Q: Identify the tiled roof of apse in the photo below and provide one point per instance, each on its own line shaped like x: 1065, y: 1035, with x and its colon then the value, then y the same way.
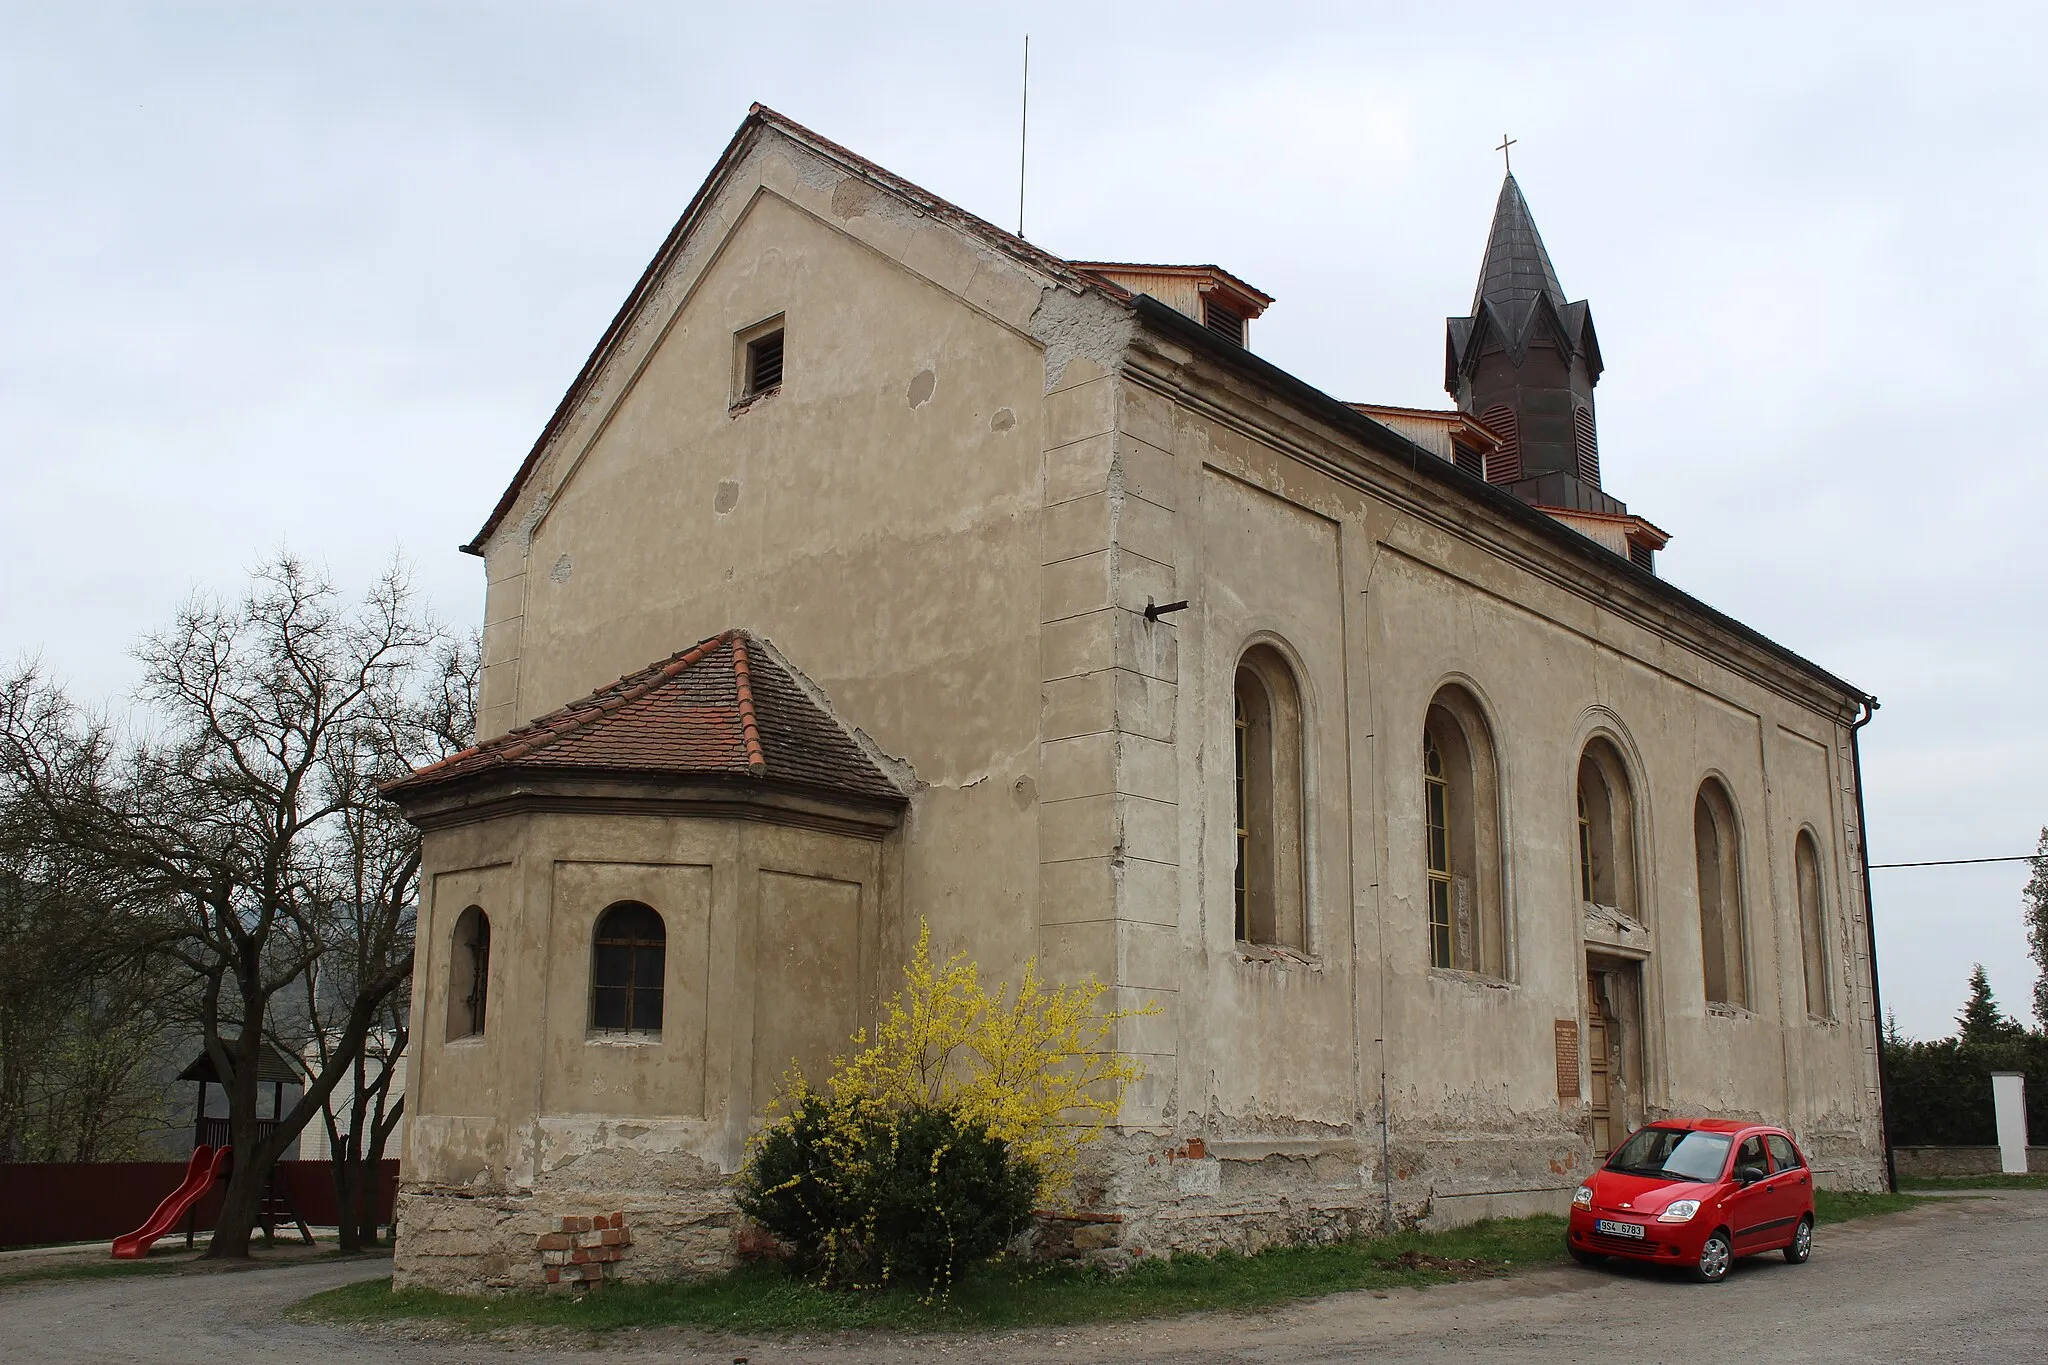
x: 722, y: 708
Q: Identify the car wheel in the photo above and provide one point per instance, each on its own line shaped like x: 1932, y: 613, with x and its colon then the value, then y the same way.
x: 1716, y: 1257
x: 1801, y: 1245
x: 1587, y: 1258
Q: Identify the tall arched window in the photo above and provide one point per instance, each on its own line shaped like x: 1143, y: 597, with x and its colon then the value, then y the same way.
x: 469, y: 973
x: 627, y: 964
x: 1461, y: 819
x: 1813, y: 925
x: 1723, y: 940
x: 1270, y: 885
x: 1607, y: 829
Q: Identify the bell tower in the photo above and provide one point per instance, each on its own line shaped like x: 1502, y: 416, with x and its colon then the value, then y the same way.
x: 1525, y: 363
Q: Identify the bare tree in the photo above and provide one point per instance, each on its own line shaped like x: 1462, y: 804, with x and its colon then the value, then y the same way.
x: 227, y: 831
x: 371, y: 888
x: 84, y: 1026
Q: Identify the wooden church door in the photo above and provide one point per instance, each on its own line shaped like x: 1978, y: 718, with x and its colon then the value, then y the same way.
x: 1598, y: 1061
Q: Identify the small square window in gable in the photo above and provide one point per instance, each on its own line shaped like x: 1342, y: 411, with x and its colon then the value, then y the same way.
x: 758, y: 360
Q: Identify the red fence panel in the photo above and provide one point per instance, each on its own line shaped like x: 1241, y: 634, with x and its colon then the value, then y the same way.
x: 96, y: 1202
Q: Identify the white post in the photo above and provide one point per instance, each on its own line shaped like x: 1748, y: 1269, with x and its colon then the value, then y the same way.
x: 2009, y: 1101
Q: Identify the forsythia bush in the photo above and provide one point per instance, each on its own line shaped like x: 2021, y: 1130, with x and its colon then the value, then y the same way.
x: 872, y: 1197
x: 926, y: 1148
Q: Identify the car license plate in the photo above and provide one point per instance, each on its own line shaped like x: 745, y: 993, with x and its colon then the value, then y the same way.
x: 1614, y: 1229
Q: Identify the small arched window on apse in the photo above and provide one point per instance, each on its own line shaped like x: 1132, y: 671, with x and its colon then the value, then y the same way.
x: 1607, y: 829
x: 469, y: 973
x: 1461, y: 818
x: 1269, y: 882
x: 1723, y: 938
x: 628, y: 965
x: 1813, y: 925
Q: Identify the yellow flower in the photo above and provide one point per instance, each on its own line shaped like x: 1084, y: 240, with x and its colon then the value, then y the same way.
x: 1039, y: 1069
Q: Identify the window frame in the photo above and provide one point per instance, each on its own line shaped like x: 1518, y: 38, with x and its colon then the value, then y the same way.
x: 631, y: 987
x: 1813, y: 926
x: 1271, y: 841
x: 469, y: 972
x: 746, y: 340
x: 1715, y: 802
x: 1436, y: 838
x: 1609, y: 843
x: 1465, y: 870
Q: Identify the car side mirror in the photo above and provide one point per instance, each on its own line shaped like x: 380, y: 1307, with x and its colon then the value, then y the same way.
x: 1749, y: 1175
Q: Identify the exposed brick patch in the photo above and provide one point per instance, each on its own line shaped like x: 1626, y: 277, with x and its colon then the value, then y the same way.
x: 586, y: 1250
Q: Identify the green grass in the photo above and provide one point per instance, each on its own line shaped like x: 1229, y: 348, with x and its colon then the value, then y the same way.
x: 768, y: 1299
x: 83, y: 1269
x: 2037, y: 1180
x: 1839, y: 1206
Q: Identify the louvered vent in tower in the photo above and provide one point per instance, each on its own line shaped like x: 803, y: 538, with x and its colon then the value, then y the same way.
x: 1589, y: 446
x: 1503, y: 465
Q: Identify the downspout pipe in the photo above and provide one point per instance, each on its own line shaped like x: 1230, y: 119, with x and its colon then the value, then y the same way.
x: 1884, y: 1087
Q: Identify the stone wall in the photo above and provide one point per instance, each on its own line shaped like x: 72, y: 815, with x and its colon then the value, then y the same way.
x: 1946, y: 1161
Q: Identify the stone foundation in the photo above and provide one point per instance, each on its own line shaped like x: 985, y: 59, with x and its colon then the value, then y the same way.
x: 462, y: 1242
x: 1141, y: 1195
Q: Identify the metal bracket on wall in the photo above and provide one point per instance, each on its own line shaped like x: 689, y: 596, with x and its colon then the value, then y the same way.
x: 1155, y: 610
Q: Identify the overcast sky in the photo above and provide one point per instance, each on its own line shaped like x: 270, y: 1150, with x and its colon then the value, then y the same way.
x: 315, y: 276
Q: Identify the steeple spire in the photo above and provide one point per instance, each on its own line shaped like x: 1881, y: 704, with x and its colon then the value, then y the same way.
x: 1517, y: 269
x: 1525, y: 362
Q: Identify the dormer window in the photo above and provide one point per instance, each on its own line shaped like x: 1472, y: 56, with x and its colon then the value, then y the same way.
x: 1224, y: 321
x: 1211, y: 295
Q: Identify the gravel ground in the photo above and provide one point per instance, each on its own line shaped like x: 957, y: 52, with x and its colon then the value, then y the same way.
x: 1962, y: 1280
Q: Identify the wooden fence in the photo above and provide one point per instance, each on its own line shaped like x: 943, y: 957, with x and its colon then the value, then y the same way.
x: 72, y: 1202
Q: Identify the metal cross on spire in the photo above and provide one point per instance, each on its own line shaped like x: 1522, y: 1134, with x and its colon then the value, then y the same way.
x: 1505, y: 143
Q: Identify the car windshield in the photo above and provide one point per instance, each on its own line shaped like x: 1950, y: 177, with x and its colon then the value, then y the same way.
x: 1672, y: 1152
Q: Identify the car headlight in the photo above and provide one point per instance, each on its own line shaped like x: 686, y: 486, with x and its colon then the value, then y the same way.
x: 1583, y: 1199
x: 1679, y: 1211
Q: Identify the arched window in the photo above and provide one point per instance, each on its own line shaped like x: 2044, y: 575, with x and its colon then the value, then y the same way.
x: 1461, y: 818
x: 1813, y: 925
x: 626, y: 969
x: 1607, y: 829
x: 1269, y: 881
x: 469, y: 973
x: 1723, y: 947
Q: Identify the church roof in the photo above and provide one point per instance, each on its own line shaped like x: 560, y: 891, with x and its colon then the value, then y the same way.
x: 1517, y: 291
x: 724, y: 708
x: 1517, y: 269
x: 271, y: 1065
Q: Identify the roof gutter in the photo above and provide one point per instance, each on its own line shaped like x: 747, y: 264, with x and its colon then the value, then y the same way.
x: 1884, y: 1088
x: 1356, y: 424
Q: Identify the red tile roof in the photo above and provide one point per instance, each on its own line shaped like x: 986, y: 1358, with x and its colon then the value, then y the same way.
x: 723, y: 707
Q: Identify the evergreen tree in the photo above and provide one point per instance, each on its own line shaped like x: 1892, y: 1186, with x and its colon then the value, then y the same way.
x: 2036, y: 897
x: 1894, y: 1036
x: 1981, y: 1021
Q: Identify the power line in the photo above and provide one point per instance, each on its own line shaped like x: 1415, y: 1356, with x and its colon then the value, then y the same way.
x: 1957, y: 862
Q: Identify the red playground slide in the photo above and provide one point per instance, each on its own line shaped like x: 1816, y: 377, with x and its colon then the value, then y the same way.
x: 200, y: 1173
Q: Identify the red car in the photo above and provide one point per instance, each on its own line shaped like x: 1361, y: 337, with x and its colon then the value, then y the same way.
x: 1696, y: 1193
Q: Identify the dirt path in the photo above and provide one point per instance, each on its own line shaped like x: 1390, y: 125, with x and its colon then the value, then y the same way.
x: 1964, y: 1280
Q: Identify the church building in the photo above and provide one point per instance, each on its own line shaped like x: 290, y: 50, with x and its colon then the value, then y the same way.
x: 880, y: 568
